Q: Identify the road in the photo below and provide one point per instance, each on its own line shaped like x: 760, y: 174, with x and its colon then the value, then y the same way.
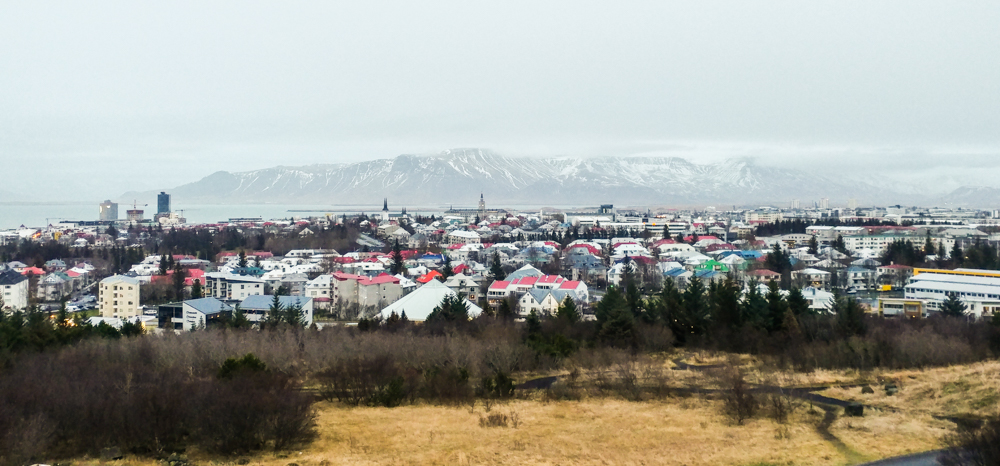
x: 918, y: 459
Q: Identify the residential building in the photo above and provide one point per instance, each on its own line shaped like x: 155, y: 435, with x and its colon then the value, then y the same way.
x: 819, y: 300
x: 118, y: 297
x: 231, y: 287
x: 14, y: 289
x: 860, y: 278
x: 320, y: 289
x: 464, y: 286
x: 502, y: 289
x: 815, y: 278
x: 192, y: 314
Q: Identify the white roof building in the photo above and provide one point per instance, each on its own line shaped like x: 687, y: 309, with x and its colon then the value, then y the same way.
x: 420, y: 303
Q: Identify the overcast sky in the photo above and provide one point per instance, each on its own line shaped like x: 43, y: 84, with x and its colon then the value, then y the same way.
x: 98, y: 97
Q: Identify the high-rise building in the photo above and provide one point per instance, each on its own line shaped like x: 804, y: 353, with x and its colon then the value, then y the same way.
x: 852, y: 203
x: 795, y: 203
x: 162, y: 203
x: 109, y: 211
x: 824, y: 203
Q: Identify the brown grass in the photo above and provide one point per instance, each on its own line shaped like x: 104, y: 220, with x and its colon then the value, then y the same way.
x: 690, y: 431
x: 971, y: 389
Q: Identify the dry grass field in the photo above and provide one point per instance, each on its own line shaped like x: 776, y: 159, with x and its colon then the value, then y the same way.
x: 970, y: 389
x: 677, y: 430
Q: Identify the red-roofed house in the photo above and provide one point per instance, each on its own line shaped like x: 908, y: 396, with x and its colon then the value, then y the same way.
x: 429, y: 276
x: 590, y: 249
x: 501, y: 289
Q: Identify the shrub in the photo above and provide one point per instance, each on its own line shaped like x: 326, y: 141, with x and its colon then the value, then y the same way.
x: 238, y: 366
x: 130, y: 394
x: 739, y: 401
x: 974, y: 446
x: 494, y: 420
x: 370, y: 381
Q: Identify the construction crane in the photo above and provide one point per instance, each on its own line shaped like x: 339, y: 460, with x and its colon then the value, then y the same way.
x: 135, y: 204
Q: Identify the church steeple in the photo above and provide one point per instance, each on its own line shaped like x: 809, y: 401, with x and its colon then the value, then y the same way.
x: 385, y: 204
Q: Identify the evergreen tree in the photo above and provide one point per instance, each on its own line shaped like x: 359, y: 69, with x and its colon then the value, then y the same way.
x: 839, y: 244
x: 451, y: 309
x: 797, y: 303
x: 755, y: 308
x: 397, y: 260
x: 112, y: 232
x: 239, y: 319
x: 693, y: 318
x: 163, y: 264
x: 505, y: 311
x: 567, y: 311
x: 953, y: 306
x: 679, y: 238
x: 956, y: 255
x: 616, y: 326
x: 496, y: 269
x: 178, y: 282
x: 534, y: 324
x: 294, y: 316
x: 777, y: 307
x: 725, y: 300
x: 256, y: 261
x: 447, y: 271
x: 243, y: 260
x: 275, y: 314
x: 668, y: 303
x: 778, y: 261
x: 929, y: 248
x: 196, y: 292
x: 813, y: 245
x: 850, y: 316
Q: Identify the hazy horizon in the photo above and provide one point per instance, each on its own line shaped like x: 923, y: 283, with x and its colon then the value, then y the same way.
x: 108, y: 97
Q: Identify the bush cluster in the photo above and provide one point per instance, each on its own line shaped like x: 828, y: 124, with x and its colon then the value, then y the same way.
x: 129, y: 395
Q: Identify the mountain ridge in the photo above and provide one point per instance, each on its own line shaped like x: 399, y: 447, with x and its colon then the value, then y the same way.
x: 453, y: 174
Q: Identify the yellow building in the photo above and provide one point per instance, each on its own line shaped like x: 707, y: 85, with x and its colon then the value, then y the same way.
x: 118, y: 296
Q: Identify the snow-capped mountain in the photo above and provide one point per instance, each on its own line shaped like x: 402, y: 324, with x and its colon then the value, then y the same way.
x: 972, y: 196
x: 460, y: 174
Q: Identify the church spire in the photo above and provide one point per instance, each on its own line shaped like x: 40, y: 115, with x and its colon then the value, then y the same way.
x: 385, y: 204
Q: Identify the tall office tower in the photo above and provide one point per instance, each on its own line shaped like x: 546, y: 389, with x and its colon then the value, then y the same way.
x: 162, y: 203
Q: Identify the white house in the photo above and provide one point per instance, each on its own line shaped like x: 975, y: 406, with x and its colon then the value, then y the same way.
x: 231, y: 287
x: 463, y: 237
x: 320, y: 289
x: 819, y: 300
x: 464, y: 285
x: 14, y: 289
